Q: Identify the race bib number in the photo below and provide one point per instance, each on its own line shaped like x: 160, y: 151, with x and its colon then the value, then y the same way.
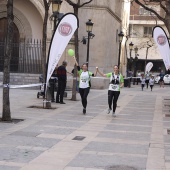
x: 114, y: 87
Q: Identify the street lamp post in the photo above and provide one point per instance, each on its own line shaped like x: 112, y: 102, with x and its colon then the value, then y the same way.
x: 56, y: 5
x: 89, y: 27
x: 131, y: 48
x: 135, y: 62
x: 121, y: 35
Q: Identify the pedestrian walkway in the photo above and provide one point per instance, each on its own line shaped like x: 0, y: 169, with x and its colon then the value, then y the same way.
x: 65, y: 139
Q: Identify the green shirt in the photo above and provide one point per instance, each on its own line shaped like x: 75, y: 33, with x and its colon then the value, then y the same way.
x: 121, y: 79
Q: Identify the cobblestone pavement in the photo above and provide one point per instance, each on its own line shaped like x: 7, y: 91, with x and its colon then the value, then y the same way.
x: 137, y: 139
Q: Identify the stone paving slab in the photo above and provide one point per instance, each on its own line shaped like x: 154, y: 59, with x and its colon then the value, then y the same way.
x: 131, y: 122
x: 135, y: 140
x: 28, y: 141
x: 10, y: 154
x: 117, y: 148
x: 100, y: 161
x: 49, y: 129
x: 9, y: 168
x: 125, y: 136
x: 130, y: 128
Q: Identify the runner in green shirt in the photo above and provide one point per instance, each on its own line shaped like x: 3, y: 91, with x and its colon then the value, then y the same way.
x: 116, y: 82
x: 84, y: 83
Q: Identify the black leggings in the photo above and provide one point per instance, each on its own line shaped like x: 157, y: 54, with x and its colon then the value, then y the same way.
x: 142, y: 85
x: 151, y: 86
x: 84, y: 93
x: 147, y: 83
x: 113, y: 97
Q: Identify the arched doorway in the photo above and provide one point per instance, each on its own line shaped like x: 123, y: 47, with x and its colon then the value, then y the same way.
x: 15, y: 55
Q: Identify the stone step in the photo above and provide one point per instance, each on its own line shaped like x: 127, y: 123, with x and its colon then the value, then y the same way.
x: 21, y: 78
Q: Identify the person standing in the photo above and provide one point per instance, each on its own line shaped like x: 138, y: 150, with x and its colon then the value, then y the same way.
x: 84, y: 83
x: 142, y: 80
x: 116, y: 82
x: 52, y: 82
x: 62, y: 80
x: 147, y: 78
x: 77, y: 80
x: 161, y: 81
x: 151, y: 82
x: 138, y: 77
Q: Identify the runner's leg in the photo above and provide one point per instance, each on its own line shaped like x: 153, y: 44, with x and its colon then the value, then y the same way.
x: 86, y: 92
x: 110, y: 99
x: 58, y: 92
x: 81, y: 91
x: 116, y: 96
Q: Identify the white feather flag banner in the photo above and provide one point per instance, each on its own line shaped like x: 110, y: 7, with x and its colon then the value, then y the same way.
x: 149, y: 67
x: 162, y: 42
x: 61, y: 37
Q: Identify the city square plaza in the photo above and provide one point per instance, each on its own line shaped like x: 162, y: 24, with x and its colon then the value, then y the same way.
x: 63, y: 138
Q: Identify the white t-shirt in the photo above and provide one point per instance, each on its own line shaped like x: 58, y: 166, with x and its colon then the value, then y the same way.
x: 147, y: 76
x: 84, y: 80
x: 142, y: 80
x: 151, y: 81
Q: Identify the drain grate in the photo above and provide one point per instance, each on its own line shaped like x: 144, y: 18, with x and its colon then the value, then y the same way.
x: 168, y: 131
x: 79, y: 138
x: 167, y: 115
x: 167, y: 105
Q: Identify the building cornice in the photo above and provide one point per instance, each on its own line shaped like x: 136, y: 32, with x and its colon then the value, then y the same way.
x: 150, y: 22
x: 109, y: 10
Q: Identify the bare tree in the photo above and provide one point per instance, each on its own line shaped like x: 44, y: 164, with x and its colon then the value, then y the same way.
x: 44, y: 41
x: 164, y: 6
x: 76, y: 6
x: 44, y: 49
x: 6, y: 113
x: 148, y: 44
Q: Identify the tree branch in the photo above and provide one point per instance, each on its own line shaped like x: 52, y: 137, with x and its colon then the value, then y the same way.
x: 46, y: 4
x: 78, y: 4
x: 85, y: 3
x: 150, y: 9
x: 71, y: 3
x: 163, y: 7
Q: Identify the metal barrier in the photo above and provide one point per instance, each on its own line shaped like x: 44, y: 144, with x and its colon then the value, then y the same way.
x: 26, y: 57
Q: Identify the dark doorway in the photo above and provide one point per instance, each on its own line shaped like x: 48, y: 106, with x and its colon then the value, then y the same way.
x: 15, y: 55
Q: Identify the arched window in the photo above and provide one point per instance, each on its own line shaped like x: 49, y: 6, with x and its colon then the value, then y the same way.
x: 15, y: 56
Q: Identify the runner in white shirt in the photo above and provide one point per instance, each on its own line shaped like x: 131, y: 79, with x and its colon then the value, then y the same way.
x: 142, y: 80
x: 84, y: 83
x: 151, y: 82
x: 147, y: 77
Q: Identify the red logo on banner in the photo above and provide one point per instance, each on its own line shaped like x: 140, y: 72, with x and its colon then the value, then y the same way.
x: 161, y: 40
x: 65, y: 29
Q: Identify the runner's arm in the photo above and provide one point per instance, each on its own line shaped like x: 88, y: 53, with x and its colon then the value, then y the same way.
x: 121, y: 85
x: 102, y: 74
x: 95, y: 72
x: 121, y: 81
x: 75, y: 61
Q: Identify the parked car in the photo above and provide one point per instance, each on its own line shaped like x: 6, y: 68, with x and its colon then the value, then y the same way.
x: 166, y: 79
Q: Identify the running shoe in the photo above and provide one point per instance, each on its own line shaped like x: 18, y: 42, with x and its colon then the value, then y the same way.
x: 62, y: 103
x: 84, y: 111
x: 109, y: 110
x: 114, y: 114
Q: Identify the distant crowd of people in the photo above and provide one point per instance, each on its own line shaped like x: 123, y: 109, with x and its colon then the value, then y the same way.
x: 147, y: 79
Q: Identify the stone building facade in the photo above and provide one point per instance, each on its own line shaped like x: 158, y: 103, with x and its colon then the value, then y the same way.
x: 141, y: 26
x: 109, y: 18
